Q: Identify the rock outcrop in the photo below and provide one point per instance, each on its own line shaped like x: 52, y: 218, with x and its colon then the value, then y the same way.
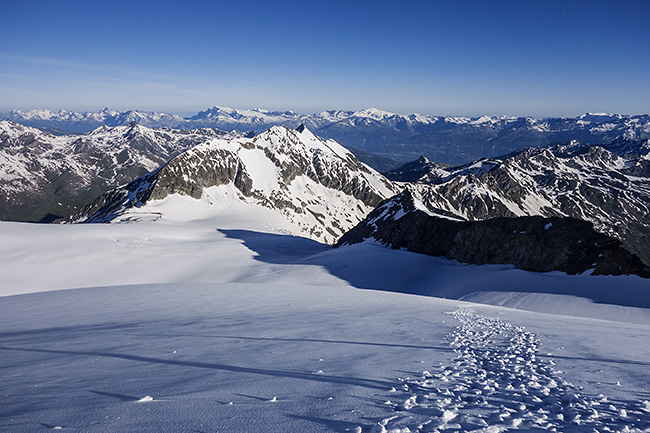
x: 530, y: 243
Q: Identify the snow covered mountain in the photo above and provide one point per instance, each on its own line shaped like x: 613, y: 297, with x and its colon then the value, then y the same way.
x: 42, y: 174
x: 452, y: 140
x: 317, y: 186
x: 608, y: 186
x: 245, y: 120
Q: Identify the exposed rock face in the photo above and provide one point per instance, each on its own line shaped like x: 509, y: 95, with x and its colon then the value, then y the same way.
x: 608, y: 186
x: 116, y: 201
x: 43, y: 174
x: 317, y: 185
x: 530, y: 243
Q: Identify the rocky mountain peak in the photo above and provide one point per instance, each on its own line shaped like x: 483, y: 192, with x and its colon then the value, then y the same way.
x: 318, y: 186
x: 417, y: 171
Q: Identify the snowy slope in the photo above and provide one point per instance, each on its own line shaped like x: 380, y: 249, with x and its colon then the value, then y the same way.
x: 225, y: 325
x: 317, y: 186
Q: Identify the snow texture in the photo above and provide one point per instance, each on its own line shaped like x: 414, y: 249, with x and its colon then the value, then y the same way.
x: 227, y: 324
x: 498, y: 381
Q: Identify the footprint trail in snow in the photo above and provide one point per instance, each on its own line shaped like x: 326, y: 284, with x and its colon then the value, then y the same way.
x: 497, y: 383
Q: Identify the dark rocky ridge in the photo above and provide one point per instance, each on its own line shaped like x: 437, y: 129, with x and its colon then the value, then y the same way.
x: 414, y: 171
x: 112, y: 203
x: 530, y: 243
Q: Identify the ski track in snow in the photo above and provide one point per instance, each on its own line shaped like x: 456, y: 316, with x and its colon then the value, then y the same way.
x: 498, y: 382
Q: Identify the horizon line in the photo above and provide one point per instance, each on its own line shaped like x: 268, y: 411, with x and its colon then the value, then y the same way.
x: 186, y: 114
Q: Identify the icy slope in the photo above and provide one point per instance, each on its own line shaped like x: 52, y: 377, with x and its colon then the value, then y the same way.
x: 318, y: 186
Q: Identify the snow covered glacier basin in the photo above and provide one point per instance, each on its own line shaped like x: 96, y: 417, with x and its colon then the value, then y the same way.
x: 204, y: 327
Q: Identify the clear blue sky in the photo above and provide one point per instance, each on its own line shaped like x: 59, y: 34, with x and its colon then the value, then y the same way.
x: 524, y: 57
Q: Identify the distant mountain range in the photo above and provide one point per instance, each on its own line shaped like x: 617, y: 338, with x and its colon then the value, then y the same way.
x: 451, y: 140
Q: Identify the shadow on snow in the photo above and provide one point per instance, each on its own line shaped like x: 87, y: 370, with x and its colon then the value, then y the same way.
x: 367, y: 266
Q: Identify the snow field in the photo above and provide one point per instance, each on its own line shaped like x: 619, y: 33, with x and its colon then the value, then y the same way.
x: 228, y: 324
x: 227, y: 357
x: 281, y: 358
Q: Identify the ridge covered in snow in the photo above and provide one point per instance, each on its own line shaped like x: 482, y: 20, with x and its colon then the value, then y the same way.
x: 607, y: 185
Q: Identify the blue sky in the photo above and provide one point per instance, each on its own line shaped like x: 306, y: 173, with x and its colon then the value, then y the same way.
x: 525, y: 57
